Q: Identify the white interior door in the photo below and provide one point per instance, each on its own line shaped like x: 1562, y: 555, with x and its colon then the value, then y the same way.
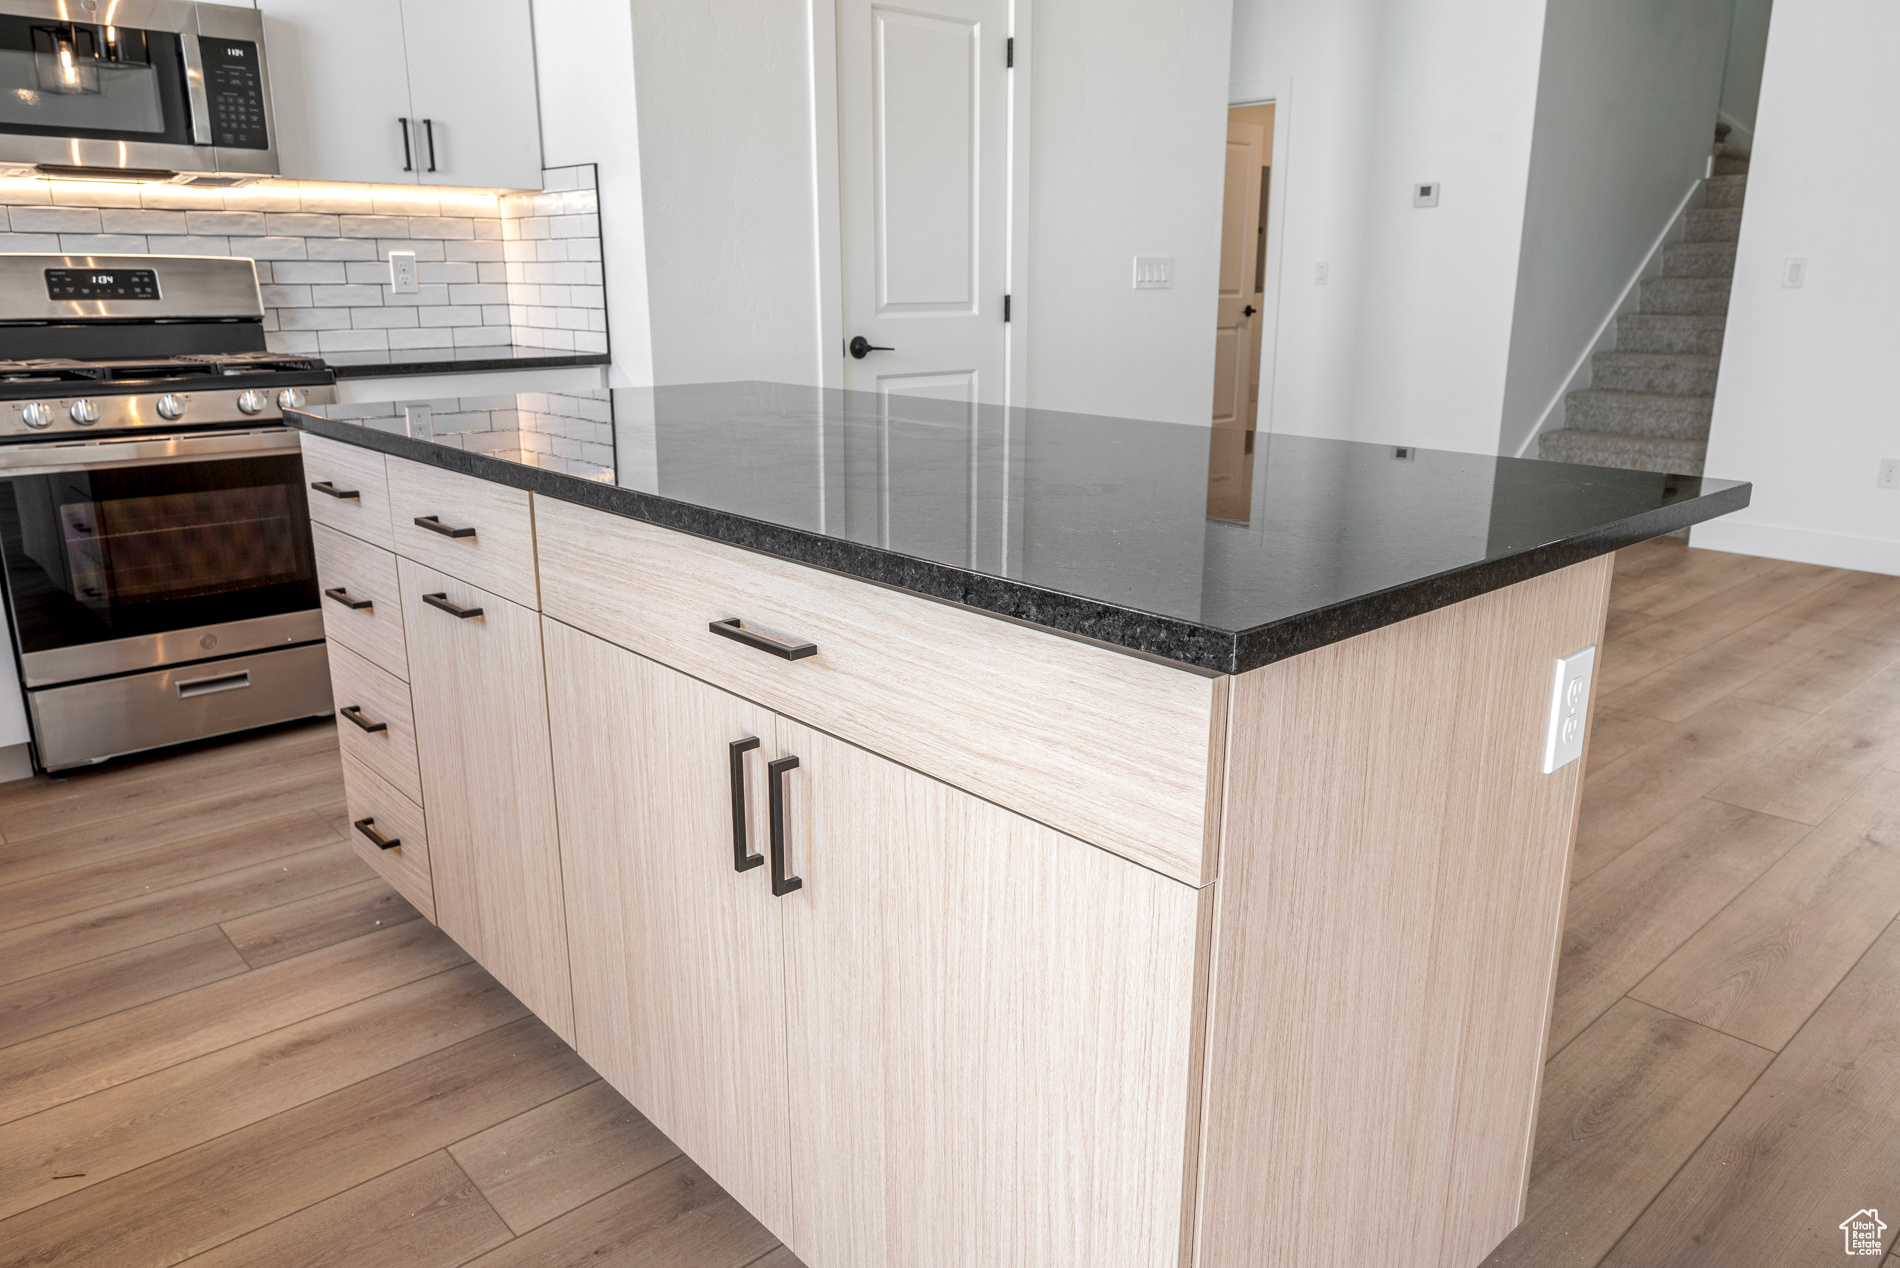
x: 1236, y: 336
x: 923, y: 107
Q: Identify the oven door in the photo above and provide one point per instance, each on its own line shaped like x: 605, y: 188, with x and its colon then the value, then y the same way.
x: 118, y: 565
x: 151, y: 86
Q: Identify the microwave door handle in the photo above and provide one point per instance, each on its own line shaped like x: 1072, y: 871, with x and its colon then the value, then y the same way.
x: 195, y: 88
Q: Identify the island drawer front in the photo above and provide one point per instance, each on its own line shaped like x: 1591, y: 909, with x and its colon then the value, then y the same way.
x: 381, y: 700
x: 498, y: 556
x: 1114, y: 749
x: 391, y: 816
x: 361, y: 573
x: 333, y: 469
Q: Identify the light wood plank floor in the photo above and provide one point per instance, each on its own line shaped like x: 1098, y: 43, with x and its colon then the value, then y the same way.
x: 255, y: 1054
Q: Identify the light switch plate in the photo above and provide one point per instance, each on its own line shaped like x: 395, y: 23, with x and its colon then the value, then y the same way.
x: 1154, y: 272
x: 1794, y: 273
x: 1569, y: 709
x: 402, y: 272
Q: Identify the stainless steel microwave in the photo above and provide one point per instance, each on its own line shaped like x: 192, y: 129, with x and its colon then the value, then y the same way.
x: 139, y: 89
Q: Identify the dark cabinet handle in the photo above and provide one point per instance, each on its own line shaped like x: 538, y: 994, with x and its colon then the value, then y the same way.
x: 324, y: 486
x: 354, y: 713
x: 775, y: 774
x: 428, y: 127
x: 435, y: 525
x: 408, y: 160
x: 732, y: 629
x: 368, y: 828
x: 741, y: 861
x: 342, y: 595
x: 442, y: 601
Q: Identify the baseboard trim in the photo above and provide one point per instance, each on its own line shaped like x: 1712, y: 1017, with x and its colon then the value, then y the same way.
x: 1799, y: 545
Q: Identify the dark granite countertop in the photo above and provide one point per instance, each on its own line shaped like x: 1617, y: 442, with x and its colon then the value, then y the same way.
x: 1168, y: 540
x: 375, y: 365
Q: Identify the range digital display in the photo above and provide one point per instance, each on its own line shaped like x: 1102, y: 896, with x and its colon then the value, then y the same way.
x: 101, y: 284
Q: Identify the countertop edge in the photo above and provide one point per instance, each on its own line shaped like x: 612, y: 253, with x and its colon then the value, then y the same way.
x: 403, y: 369
x: 1176, y: 642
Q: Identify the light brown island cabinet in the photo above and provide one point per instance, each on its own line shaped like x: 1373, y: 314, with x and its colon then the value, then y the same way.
x: 1051, y: 956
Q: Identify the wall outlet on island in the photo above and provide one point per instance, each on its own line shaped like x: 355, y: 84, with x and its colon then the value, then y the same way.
x: 1569, y: 709
x: 402, y: 272
x: 1889, y: 477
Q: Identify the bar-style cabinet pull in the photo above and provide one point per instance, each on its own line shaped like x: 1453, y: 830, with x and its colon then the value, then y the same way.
x: 435, y: 525
x: 428, y: 128
x: 738, y: 633
x: 742, y: 861
x: 408, y: 159
x: 775, y: 774
x: 368, y: 828
x: 453, y: 609
x: 354, y: 713
x: 342, y: 595
x: 325, y: 487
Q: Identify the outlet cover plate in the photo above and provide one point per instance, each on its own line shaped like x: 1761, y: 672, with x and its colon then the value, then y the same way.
x: 402, y: 272
x: 1889, y: 477
x: 1569, y: 709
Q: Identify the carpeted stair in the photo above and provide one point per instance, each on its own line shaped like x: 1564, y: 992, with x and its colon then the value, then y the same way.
x: 1649, y: 400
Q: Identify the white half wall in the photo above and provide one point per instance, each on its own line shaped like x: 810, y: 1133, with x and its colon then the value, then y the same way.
x: 1625, y: 119
x: 1128, y: 125
x: 589, y: 115
x: 1806, y: 407
x: 1409, y: 338
x: 1741, y: 81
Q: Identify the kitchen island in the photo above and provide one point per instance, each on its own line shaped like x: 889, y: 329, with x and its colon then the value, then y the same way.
x: 962, y: 843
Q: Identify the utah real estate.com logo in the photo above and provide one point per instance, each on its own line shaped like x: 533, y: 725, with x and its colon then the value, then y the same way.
x: 1861, y: 1231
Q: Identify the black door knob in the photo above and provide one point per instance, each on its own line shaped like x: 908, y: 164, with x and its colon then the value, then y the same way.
x: 1248, y: 311
x: 859, y: 346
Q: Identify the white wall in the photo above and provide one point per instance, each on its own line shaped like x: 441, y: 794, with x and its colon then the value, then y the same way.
x: 1128, y: 121
x: 1806, y: 407
x: 1741, y: 82
x: 1409, y: 340
x: 725, y: 136
x: 1625, y: 118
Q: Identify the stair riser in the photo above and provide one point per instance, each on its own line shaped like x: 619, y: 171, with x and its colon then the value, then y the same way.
x: 1664, y: 380
x: 1726, y: 166
x: 1723, y: 196
x: 1685, y: 297
x: 1699, y: 259
x: 1634, y: 334
x: 1722, y: 224
x: 1685, y: 458
x: 1601, y: 412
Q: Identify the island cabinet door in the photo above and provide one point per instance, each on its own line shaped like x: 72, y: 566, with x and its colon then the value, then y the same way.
x: 675, y: 936
x: 480, y: 701
x: 992, y: 1027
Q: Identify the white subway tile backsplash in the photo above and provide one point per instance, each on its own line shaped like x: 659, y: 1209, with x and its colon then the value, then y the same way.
x: 349, y: 295
x: 424, y: 337
x: 458, y: 271
x: 271, y: 248
x: 427, y: 295
x: 55, y: 219
x: 478, y: 293
x: 276, y: 296
x: 249, y: 224
x: 382, y: 318
x: 300, y: 342
x: 186, y: 244
x: 474, y: 250
x: 29, y: 242
x: 101, y: 244
x: 374, y: 226
x: 302, y: 225
x: 452, y: 315
x: 308, y: 271
x: 371, y: 272
x: 137, y: 220
x: 352, y: 341
x: 314, y: 318
x: 441, y: 227
x: 483, y: 336
x: 340, y: 248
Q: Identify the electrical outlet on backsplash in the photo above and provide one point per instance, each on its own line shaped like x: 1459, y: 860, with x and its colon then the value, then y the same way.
x: 492, y: 269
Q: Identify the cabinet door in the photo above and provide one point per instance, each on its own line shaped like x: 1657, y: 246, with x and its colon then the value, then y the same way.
x: 678, y: 982
x: 339, y: 88
x: 481, y: 720
x: 472, y: 78
x: 992, y: 1029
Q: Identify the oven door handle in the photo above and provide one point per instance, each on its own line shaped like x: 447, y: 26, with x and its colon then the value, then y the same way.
x: 211, y: 686
x: 195, y: 88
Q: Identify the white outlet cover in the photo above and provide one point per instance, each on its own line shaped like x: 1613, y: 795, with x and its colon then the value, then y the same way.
x: 1322, y: 272
x: 1889, y: 477
x: 402, y: 272
x: 1154, y: 272
x: 1569, y: 709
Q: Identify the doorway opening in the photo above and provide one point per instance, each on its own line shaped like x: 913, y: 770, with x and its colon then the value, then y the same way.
x: 1244, y: 305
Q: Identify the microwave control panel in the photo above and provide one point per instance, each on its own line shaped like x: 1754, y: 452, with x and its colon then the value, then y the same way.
x: 235, y: 88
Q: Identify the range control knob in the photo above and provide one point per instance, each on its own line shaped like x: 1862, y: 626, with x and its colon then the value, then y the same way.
x: 85, y: 413
x: 170, y: 406
x: 37, y: 414
x: 290, y: 398
x: 250, y: 402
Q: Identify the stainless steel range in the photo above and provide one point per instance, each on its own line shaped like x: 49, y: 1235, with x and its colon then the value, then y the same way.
x: 160, y: 581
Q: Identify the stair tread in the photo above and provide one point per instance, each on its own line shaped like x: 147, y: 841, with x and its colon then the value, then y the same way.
x: 1654, y: 453
x: 1652, y: 400
x: 1688, y: 360
x: 1704, y: 321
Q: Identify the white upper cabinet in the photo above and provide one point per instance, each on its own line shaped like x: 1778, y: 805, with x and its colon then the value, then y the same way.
x: 405, y: 91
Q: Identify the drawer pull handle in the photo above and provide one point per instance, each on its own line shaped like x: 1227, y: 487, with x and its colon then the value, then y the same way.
x: 211, y: 686
x: 741, y: 860
x: 342, y: 595
x: 435, y: 525
x: 775, y: 773
x: 442, y: 601
x: 324, y: 486
x: 732, y: 629
x: 355, y: 714
x: 368, y: 828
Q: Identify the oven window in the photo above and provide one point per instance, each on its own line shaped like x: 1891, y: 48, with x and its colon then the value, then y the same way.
x: 98, y: 555
x: 70, y: 79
